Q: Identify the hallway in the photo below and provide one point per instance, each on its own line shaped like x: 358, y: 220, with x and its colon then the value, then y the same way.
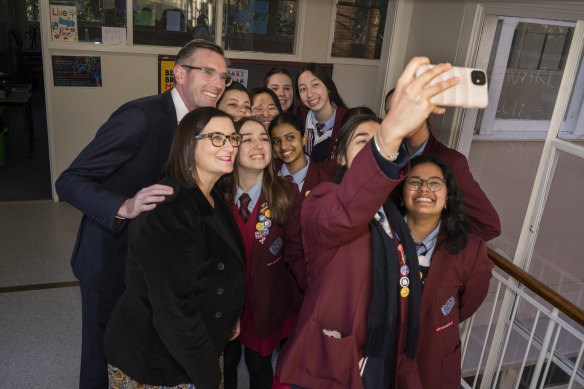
x: 40, y: 335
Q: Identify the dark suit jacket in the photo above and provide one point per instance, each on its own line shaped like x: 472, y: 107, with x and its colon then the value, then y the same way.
x: 127, y: 154
x: 479, y: 209
x: 185, y: 289
x: 337, y: 243
x: 273, y: 290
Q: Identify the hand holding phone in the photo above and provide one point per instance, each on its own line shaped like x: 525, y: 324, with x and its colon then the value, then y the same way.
x: 470, y: 92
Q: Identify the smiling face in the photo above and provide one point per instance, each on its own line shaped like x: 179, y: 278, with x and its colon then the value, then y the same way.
x: 313, y: 93
x: 191, y: 84
x: 235, y: 103
x: 212, y: 162
x: 264, y: 108
x: 288, y: 145
x: 281, y: 84
x: 423, y: 202
x: 255, y: 152
x: 362, y: 134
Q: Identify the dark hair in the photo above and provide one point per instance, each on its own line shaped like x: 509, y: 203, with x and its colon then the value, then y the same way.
x: 346, y: 132
x: 358, y: 111
x: 287, y: 118
x: 181, y: 166
x: 455, y: 224
x: 285, y: 72
x: 272, y: 185
x: 387, y: 97
x: 234, y: 86
x: 190, y: 49
x: 326, y: 79
x: 261, y: 90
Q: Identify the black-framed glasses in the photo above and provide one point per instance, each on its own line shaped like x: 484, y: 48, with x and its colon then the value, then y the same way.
x: 210, y: 74
x: 435, y: 184
x: 218, y: 139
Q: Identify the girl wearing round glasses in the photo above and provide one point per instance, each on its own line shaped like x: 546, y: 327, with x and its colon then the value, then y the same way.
x: 455, y: 269
x: 260, y: 202
x: 185, y: 269
x: 323, y: 110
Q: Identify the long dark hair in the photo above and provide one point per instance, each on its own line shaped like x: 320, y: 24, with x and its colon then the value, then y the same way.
x: 326, y: 79
x: 285, y: 72
x: 181, y: 166
x: 454, y: 222
x: 272, y: 185
x: 346, y: 132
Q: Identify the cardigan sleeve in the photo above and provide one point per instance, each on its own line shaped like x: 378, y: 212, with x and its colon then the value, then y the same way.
x: 169, y: 246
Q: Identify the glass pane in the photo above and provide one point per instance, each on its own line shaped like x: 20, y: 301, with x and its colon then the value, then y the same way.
x: 173, y: 22
x: 534, y: 71
x: 93, y: 14
x: 506, y: 172
x: 260, y: 25
x: 573, y: 126
x: 557, y: 256
x: 359, y: 26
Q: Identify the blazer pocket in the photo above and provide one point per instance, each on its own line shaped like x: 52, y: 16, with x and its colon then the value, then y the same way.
x: 451, y: 369
x: 329, y: 357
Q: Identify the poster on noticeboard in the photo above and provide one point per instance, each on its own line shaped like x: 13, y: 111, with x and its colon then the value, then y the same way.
x: 76, y: 70
x: 64, y: 23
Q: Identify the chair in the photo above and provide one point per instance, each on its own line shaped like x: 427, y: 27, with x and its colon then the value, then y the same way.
x: 29, y: 61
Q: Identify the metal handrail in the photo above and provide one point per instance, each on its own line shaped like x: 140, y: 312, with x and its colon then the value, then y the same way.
x: 538, y: 287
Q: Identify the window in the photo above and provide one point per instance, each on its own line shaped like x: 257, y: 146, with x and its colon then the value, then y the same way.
x: 173, y: 22
x: 93, y: 14
x: 359, y: 26
x: 260, y: 25
x: 525, y: 68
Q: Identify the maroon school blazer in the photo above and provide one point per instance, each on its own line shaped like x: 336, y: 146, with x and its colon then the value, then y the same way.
x: 337, y: 244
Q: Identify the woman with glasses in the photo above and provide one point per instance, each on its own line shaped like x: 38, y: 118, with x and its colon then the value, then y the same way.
x: 455, y: 269
x: 322, y: 110
x: 260, y: 202
x: 235, y: 101
x: 265, y: 105
x: 185, y: 269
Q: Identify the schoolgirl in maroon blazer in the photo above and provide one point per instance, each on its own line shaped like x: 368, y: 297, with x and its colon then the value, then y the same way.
x: 360, y: 316
x: 288, y: 141
x: 260, y: 202
x: 454, y: 266
x: 322, y: 111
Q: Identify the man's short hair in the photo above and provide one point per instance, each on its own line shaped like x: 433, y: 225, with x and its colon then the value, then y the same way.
x: 190, y: 48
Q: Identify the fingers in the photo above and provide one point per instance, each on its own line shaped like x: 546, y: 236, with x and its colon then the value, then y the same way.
x: 145, y: 200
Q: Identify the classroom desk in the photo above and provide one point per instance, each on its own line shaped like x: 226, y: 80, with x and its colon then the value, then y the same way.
x: 23, y: 100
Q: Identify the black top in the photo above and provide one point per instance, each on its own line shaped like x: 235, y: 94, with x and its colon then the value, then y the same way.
x: 185, y: 289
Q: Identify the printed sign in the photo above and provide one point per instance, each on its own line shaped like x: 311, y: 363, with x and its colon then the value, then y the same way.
x: 76, y: 70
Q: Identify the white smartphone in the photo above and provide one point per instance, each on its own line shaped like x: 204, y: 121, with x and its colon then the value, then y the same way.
x: 470, y: 92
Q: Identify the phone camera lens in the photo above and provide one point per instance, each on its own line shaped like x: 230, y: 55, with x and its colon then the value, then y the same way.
x: 478, y: 77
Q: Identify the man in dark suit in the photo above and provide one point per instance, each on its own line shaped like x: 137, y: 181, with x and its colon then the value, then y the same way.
x: 112, y: 179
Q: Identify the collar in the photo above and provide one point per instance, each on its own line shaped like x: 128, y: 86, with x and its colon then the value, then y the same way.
x: 179, y: 105
x: 421, y: 149
x: 328, y: 125
x: 429, y: 241
x: 300, y: 175
x: 254, y: 194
